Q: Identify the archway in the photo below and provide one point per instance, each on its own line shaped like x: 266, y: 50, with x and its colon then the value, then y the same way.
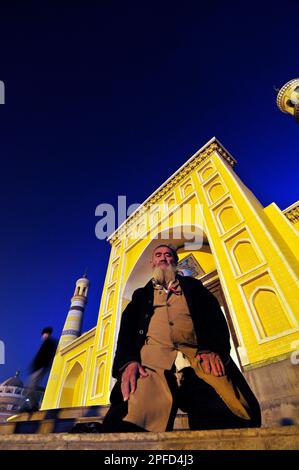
x: 72, y: 387
x: 200, y: 252
x: 180, y: 238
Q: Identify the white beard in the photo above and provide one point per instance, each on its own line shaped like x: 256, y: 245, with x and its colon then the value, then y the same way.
x: 164, y: 276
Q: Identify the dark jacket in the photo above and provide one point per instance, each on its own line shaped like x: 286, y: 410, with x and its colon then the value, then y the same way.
x: 45, y: 355
x: 212, y: 335
x: 209, y: 322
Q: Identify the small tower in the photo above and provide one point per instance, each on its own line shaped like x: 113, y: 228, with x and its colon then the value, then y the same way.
x: 288, y: 98
x: 73, y: 323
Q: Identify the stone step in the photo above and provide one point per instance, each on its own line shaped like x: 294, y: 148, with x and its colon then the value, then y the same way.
x: 64, y: 419
x: 62, y: 413
x: 282, y: 438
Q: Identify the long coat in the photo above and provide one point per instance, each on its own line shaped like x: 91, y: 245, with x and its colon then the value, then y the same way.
x: 45, y: 355
x: 212, y: 335
x: 209, y: 322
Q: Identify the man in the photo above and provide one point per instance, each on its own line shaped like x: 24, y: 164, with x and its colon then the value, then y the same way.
x: 174, y: 315
x: 39, y: 367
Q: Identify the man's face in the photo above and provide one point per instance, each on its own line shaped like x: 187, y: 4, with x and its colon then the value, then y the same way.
x: 162, y: 257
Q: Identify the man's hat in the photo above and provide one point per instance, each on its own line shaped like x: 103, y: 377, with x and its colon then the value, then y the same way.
x: 47, y: 329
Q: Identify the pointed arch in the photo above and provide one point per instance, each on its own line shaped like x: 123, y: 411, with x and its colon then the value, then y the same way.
x: 207, y: 172
x: 270, y: 317
x: 228, y: 218
x: 72, y: 387
x: 100, y: 378
x: 216, y: 191
x: 105, y: 334
x: 244, y: 255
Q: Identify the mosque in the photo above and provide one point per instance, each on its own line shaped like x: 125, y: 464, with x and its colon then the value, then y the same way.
x: 247, y: 255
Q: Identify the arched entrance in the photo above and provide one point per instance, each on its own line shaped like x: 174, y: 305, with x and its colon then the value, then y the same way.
x: 72, y: 387
x: 196, y: 259
x: 179, y: 237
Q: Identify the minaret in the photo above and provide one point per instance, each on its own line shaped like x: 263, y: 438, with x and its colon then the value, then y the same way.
x: 73, y: 323
x: 288, y: 98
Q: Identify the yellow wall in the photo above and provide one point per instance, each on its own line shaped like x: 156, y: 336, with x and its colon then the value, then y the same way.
x: 254, y: 249
x: 70, y: 374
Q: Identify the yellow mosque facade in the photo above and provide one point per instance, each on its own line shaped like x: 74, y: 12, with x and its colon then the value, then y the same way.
x: 246, y: 254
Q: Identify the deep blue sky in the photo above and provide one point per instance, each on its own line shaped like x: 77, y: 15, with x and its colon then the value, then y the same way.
x: 110, y: 99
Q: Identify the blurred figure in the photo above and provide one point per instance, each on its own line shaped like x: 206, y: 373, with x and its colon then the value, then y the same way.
x: 40, y: 365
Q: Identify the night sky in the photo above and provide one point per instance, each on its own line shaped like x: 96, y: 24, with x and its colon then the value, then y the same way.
x: 110, y: 98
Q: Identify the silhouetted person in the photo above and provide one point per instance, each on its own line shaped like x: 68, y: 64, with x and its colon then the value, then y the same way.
x: 39, y: 367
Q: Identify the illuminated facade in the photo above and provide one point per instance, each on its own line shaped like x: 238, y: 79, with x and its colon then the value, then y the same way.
x: 247, y: 255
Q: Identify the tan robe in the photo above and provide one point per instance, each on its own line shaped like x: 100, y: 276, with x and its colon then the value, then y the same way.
x: 171, y: 330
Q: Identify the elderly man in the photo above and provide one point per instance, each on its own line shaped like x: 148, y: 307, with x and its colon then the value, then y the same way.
x: 174, y: 317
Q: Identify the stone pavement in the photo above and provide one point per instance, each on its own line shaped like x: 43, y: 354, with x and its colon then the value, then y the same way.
x: 283, y: 438
x: 51, y: 430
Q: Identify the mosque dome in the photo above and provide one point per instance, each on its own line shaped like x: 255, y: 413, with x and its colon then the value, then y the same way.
x: 11, y: 396
x: 14, y: 381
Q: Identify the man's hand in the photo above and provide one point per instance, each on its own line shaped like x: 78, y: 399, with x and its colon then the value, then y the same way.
x: 129, y: 378
x: 211, y: 363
